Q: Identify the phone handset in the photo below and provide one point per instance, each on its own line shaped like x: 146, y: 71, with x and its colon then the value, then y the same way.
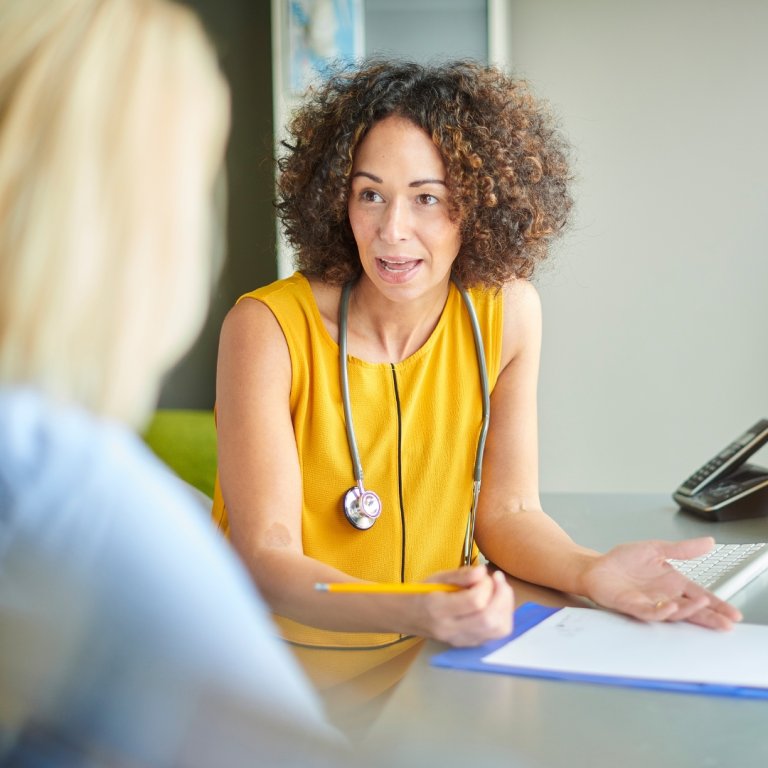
x: 731, y: 457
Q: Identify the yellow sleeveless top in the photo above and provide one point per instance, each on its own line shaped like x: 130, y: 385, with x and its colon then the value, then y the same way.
x: 417, y: 424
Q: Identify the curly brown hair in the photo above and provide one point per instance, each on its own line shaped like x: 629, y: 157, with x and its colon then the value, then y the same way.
x: 507, y: 170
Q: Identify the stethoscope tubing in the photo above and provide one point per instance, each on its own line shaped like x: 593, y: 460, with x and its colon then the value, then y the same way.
x: 354, y: 453
x: 484, y: 385
x: 355, y: 496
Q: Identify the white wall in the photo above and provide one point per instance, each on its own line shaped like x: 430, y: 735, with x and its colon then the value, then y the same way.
x: 655, y: 304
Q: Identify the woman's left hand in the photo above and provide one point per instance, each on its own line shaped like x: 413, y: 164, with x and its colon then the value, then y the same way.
x: 636, y: 579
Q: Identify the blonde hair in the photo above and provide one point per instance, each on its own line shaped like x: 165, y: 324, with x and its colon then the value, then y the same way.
x: 113, y: 119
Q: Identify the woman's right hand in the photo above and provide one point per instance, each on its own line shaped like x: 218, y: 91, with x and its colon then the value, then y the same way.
x: 480, y: 611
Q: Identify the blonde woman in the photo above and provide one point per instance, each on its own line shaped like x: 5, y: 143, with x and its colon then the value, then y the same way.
x: 126, y: 626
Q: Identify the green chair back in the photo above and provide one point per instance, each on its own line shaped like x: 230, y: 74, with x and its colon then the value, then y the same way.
x: 186, y: 441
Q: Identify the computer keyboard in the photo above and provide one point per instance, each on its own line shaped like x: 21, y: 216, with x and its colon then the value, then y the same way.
x: 726, y: 568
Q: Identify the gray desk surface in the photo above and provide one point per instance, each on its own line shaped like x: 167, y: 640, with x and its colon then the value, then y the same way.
x: 416, y: 714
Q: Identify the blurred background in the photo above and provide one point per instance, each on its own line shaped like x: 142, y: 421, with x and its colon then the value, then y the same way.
x: 655, y: 313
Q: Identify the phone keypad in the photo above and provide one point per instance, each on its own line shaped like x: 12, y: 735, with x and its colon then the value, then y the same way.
x: 708, y: 470
x: 757, y: 435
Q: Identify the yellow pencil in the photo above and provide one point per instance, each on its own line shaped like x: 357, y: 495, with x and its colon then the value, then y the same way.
x: 411, y: 588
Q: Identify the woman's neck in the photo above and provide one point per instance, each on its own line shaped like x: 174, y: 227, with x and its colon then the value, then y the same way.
x: 385, y: 331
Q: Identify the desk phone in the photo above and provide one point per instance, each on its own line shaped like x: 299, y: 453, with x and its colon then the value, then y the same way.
x: 726, y: 487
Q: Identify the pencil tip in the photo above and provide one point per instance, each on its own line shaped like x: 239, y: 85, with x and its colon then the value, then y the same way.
x: 321, y: 587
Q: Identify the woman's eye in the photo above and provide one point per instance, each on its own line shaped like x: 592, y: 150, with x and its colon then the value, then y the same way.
x: 427, y: 199
x: 369, y: 196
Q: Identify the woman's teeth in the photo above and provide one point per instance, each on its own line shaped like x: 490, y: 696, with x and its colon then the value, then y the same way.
x: 396, y: 266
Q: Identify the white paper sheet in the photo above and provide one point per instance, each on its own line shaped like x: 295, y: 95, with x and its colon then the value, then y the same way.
x: 594, y: 642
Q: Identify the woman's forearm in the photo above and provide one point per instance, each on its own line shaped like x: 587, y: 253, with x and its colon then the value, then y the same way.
x: 530, y: 545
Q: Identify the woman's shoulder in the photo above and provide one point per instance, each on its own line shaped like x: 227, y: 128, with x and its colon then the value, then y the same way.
x: 277, y: 310
x: 58, y: 455
x: 517, y: 301
x: 521, y: 297
x: 522, y: 319
x: 295, y: 285
x: 113, y: 541
x: 41, y: 442
x: 87, y: 492
x: 254, y: 317
x: 326, y: 298
x: 518, y: 290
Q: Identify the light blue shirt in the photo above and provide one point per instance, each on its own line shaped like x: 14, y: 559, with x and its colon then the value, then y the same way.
x: 126, y: 623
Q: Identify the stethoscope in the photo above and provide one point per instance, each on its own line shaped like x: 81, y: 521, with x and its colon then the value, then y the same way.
x: 362, y: 507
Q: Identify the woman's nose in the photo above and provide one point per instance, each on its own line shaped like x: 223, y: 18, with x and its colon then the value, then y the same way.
x: 395, y: 224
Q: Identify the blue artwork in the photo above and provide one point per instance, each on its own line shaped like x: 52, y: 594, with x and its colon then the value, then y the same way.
x: 321, y: 31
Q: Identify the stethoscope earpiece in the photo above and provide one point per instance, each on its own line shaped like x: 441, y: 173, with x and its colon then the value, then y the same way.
x: 361, y: 507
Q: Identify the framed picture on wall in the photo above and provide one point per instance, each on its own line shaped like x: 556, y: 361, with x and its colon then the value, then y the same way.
x: 320, y: 32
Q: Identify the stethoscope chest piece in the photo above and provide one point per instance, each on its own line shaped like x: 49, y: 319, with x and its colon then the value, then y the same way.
x: 361, y: 507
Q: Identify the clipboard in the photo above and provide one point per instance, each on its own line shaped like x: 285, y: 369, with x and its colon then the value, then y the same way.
x: 528, y: 616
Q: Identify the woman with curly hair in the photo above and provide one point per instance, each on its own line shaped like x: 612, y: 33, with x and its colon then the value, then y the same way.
x: 419, y: 201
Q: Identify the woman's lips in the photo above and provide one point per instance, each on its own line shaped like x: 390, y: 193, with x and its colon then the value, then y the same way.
x: 398, y: 265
